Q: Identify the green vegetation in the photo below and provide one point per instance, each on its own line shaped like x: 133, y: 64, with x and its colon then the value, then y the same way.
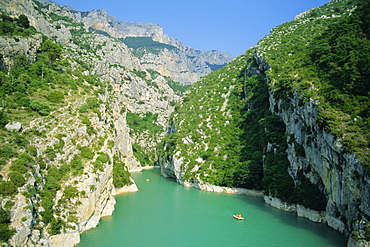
x: 15, y: 26
x: 5, y: 232
x: 143, y: 45
x: 208, y: 135
x: 100, y: 32
x: 177, y: 87
x: 145, y: 42
x: 100, y: 161
x: 48, y: 92
x: 86, y: 152
x: 121, y: 176
x: 225, y: 130
x: 144, y: 125
x: 147, y: 122
x: 141, y: 155
x: 55, y: 96
x: 226, y: 133
x: 326, y: 60
x: 341, y: 57
x: 55, y: 17
x: 215, y: 67
x: 223, y: 135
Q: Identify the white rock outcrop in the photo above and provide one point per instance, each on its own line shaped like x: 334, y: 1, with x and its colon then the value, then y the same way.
x: 14, y: 127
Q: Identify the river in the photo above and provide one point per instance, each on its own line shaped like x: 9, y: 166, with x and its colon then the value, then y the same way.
x: 164, y: 213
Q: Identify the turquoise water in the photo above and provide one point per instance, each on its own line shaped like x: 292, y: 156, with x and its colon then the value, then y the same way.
x: 164, y: 213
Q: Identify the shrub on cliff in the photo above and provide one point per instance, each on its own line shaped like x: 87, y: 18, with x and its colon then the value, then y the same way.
x: 7, y: 188
x: 17, y: 178
x: 15, y: 26
x: 55, y: 96
x: 86, y: 152
x: 341, y: 57
x: 50, y: 52
x: 41, y: 107
x: 56, y: 226
x: 7, y: 151
x: 3, y: 119
x: 121, y: 176
x: 5, y: 232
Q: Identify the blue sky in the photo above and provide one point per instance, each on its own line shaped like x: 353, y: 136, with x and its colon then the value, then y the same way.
x: 225, y: 25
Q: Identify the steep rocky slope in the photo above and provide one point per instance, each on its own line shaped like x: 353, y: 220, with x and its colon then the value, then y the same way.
x: 265, y: 123
x: 78, y: 111
x: 87, y: 105
x: 184, y: 64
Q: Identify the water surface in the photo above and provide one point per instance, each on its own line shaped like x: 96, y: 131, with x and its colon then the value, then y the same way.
x: 164, y: 213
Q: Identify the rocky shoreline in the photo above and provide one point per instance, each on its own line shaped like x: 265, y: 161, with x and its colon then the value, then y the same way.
x: 301, y: 211
x: 220, y: 189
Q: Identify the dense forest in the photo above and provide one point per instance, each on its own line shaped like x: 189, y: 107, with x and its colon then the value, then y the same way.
x: 340, y: 56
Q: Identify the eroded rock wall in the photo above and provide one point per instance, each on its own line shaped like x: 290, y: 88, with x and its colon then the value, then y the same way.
x: 339, y: 174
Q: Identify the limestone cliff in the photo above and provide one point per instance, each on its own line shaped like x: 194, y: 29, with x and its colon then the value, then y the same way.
x: 259, y: 128
x: 311, y: 150
x: 76, y: 145
x: 93, y: 186
x: 344, y: 180
x: 10, y: 48
x: 183, y: 64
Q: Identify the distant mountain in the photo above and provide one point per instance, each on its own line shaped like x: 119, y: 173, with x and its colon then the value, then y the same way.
x: 182, y: 63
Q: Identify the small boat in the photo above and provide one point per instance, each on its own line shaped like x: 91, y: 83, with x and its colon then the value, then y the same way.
x: 238, y: 216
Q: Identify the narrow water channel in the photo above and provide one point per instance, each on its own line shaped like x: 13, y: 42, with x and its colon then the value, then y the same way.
x: 164, y: 213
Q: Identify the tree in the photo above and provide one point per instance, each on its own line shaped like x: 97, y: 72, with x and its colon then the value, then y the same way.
x: 342, y: 53
x: 21, y: 65
x: 4, y: 216
x: 41, y: 107
x: 6, y: 25
x: 7, y: 188
x: 50, y: 51
x: 23, y: 21
x: 5, y: 232
x: 3, y: 119
x: 17, y: 178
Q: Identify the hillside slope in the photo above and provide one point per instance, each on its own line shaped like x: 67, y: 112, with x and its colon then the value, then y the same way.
x: 79, y: 109
x: 290, y: 118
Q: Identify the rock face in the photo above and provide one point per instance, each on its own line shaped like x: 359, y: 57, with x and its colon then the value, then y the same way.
x: 126, y: 92
x: 337, y: 173
x: 14, y: 127
x: 9, y: 48
x: 344, y: 180
x: 95, y: 187
x: 184, y: 64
